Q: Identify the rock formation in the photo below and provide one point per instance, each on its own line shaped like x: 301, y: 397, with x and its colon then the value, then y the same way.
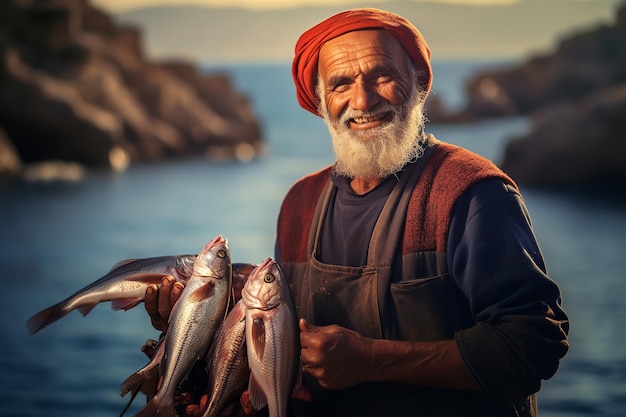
x: 576, y: 98
x: 77, y: 88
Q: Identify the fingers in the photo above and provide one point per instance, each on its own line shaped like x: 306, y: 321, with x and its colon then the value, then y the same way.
x: 310, y: 328
x: 304, y: 325
x: 160, y: 300
x: 165, y: 291
x: 151, y: 303
x: 177, y: 290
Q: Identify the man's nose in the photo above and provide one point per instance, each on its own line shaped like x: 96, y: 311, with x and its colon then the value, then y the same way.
x: 364, y: 96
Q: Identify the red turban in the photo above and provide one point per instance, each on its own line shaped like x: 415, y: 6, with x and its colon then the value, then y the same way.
x: 304, y: 68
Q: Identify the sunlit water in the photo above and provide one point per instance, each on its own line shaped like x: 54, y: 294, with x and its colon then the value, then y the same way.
x: 57, y: 237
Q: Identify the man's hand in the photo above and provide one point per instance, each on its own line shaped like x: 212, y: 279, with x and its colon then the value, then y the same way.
x: 340, y: 358
x: 160, y: 300
x: 337, y: 357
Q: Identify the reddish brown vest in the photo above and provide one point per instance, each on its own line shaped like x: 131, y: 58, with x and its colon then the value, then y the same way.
x: 449, y: 172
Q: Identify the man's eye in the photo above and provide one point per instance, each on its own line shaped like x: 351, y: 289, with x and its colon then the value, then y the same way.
x: 340, y: 87
x: 383, y: 77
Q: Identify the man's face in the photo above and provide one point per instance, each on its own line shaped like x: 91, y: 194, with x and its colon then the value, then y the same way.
x: 371, y: 103
x: 361, y: 70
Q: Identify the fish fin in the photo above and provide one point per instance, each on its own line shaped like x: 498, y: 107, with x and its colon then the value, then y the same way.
x: 125, y: 303
x: 132, y: 383
x: 257, y: 396
x: 238, y: 312
x: 143, y: 381
x: 86, y: 308
x: 151, y: 387
x: 123, y: 263
x: 129, y: 403
x: 258, y: 337
x: 202, y: 293
x: 45, y: 317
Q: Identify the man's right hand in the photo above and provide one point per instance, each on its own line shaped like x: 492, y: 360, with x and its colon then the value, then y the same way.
x: 159, y: 301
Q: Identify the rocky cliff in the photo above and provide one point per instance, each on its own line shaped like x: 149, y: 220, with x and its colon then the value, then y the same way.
x: 76, y: 87
x: 576, y: 97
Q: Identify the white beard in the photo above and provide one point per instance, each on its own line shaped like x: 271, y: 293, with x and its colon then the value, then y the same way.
x: 381, y: 151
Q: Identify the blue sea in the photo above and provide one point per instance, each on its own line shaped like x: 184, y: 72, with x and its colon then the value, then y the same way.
x: 58, y: 236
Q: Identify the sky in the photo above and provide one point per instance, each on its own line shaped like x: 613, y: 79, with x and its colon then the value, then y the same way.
x: 114, y: 6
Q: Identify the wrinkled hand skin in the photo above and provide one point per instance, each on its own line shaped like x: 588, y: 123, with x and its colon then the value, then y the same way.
x: 160, y: 300
x: 337, y: 357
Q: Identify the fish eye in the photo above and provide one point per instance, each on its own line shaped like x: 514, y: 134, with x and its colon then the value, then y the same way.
x: 269, y: 278
x: 221, y: 253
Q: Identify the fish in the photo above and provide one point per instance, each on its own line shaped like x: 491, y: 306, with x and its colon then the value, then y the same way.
x: 194, y: 319
x: 272, y: 340
x: 124, y: 285
x: 228, y: 371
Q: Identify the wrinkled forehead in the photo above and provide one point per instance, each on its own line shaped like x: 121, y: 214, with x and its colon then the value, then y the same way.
x: 368, y: 47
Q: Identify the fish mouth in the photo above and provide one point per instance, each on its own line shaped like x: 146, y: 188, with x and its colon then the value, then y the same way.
x: 218, y: 240
x: 264, y: 264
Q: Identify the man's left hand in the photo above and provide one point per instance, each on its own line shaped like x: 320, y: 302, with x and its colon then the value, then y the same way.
x: 337, y: 357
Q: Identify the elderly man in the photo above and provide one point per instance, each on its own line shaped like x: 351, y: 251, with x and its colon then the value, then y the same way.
x: 412, y: 262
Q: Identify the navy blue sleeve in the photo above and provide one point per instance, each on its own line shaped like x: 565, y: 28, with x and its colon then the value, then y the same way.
x: 520, y: 328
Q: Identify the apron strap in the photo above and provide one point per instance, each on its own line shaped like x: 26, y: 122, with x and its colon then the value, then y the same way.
x: 388, y: 233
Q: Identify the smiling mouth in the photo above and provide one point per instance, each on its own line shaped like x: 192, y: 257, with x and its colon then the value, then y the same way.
x: 370, y: 120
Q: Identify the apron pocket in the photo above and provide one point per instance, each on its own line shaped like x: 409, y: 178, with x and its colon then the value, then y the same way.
x: 428, y: 309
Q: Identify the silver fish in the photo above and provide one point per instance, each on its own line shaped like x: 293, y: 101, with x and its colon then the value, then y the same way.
x: 194, y: 320
x: 228, y: 362
x: 272, y: 339
x: 125, y: 285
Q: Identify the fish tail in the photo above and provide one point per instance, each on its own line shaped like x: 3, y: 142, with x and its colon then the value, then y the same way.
x: 136, y: 381
x: 45, y: 317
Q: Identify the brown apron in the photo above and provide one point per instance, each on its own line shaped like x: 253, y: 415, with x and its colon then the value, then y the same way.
x: 356, y: 297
